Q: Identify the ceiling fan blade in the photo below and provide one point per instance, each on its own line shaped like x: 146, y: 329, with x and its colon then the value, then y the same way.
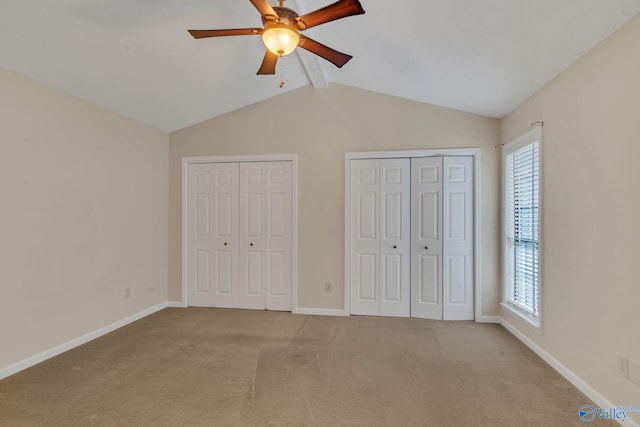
x: 264, y: 7
x: 268, y: 63
x: 337, y: 10
x: 201, y: 34
x: 336, y: 58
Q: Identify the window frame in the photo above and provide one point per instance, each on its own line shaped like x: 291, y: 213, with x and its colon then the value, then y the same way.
x: 535, y: 321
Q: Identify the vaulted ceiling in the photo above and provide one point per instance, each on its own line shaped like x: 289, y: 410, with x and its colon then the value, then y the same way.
x: 135, y: 57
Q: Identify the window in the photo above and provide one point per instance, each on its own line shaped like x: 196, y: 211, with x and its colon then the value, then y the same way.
x: 521, y: 216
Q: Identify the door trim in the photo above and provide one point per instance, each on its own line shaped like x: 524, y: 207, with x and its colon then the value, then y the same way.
x: 293, y: 158
x: 477, y: 218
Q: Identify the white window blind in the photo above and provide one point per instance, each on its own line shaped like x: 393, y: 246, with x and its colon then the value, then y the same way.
x: 521, y: 163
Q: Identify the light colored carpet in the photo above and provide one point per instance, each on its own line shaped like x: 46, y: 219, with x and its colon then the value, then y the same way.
x: 218, y: 367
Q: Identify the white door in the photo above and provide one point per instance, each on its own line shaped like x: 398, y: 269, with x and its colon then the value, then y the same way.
x: 458, y: 239
x: 365, y: 241
x: 213, y: 234
x: 200, y: 235
x: 252, y: 235
x: 224, y: 222
x: 240, y: 235
x: 380, y: 239
x: 395, y: 240
x: 426, y: 237
x: 265, y: 235
x: 442, y: 238
x: 278, y: 244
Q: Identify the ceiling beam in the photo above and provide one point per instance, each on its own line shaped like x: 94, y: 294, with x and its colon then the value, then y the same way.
x: 311, y: 63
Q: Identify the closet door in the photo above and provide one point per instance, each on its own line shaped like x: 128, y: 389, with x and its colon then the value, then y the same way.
x: 458, y: 239
x: 213, y: 236
x: 278, y: 243
x: 240, y: 235
x: 426, y: 237
x: 442, y: 238
x: 395, y: 241
x: 252, y: 235
x: 200, y: 229
x: 225, y: 234
x: 380, y: 237
x: 365, y: 240
x: 265, y: 235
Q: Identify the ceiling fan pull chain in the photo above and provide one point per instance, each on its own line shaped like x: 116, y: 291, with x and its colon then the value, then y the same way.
x: 281, y: 72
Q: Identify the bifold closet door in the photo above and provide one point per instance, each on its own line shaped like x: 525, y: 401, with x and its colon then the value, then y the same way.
x: 265, y: 235
x: 457, y: 227
x: 442, y: 238
x: 213, y: 235
x: 426, y: 237
x: 380, y: 224
x: 240, y: 235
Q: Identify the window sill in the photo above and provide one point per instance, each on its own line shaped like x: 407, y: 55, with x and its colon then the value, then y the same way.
x: 533, y: 322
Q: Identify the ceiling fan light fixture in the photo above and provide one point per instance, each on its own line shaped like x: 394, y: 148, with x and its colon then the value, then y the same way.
x: 281, y: 29
x: 280, y: 39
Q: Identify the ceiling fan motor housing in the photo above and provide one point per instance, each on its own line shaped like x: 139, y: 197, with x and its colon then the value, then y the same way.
x: 285, y: 16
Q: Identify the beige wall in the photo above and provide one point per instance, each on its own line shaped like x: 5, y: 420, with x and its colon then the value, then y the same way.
x: 591, y: 229
x: 321, y: 125
x: 84, y: 216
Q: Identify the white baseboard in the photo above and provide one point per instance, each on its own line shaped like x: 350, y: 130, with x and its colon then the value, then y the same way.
x: 52, y: 352
x: 319, y: 311
x: 489, y: 319
x: 568, y: 374
x: 338, y: 312
x: 178, y: 304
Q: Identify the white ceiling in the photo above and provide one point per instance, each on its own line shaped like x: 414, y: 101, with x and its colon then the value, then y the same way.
x: 136, y: 57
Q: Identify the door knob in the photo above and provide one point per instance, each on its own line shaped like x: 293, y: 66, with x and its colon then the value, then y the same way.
x: 394, y: 246
x: 225, y: 243
x: 426, y: 247
x: 250, y: 244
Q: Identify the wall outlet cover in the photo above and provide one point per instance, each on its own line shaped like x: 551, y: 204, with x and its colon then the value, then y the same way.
x: 623, y: 366
x: 634, y: 372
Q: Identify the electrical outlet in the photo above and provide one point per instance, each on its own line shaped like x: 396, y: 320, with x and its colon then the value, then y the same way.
x: 623, y: 366
x: 127, y: 293
x: 634, y: 372
x: 327, y: 287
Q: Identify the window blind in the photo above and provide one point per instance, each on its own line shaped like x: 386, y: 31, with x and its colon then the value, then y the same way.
x: 522, y: 226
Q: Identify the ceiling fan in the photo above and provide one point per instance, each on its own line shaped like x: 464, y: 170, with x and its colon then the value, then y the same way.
x: 281, y: 31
